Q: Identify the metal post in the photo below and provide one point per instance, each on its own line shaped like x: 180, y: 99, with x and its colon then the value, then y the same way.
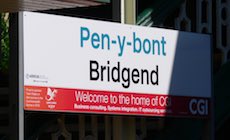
x: 13, y: 77
x: 117, y: 120
x: 124, y: 11
x: 128, y: 11
x: 20, y: 73
x: 128, y: 16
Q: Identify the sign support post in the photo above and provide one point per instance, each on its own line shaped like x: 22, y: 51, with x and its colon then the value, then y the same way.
x: 128, y: 16
x: 16, y: 116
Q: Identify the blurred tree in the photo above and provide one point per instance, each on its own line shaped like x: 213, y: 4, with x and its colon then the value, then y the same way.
x: 4, y: 56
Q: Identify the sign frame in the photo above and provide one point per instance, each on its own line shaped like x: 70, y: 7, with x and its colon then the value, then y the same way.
x: 22, y: 68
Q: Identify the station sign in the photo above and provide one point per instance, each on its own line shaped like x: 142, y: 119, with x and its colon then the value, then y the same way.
x: 88, y: 66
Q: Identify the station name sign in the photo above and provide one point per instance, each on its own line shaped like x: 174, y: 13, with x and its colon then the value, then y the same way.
x: 88, y: 66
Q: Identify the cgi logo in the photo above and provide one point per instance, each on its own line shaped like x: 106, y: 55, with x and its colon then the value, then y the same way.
x: 198, y: 106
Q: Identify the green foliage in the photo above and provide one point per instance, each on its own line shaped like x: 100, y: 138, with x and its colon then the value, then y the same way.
x: 4, y: 61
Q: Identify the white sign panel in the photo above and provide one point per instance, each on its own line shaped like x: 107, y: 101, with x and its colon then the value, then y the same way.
x: 80, y: 65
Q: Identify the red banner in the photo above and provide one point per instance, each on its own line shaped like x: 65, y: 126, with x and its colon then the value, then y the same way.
x: 108, y: 102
